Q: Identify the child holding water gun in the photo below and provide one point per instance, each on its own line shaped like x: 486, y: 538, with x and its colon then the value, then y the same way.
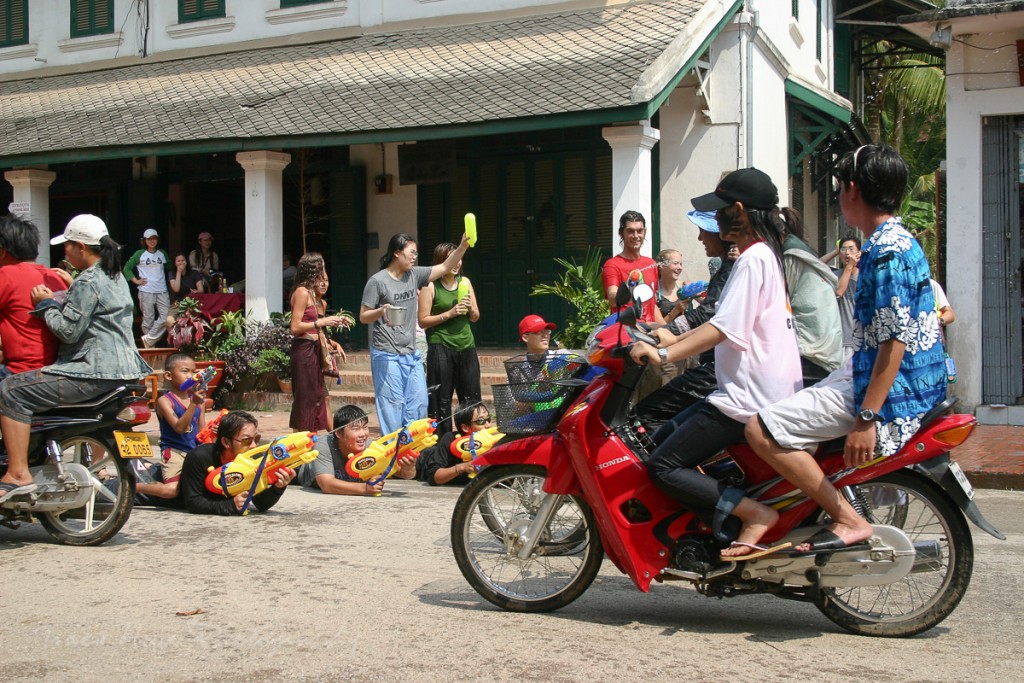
x: 351, y: 435
x: 181, y: 415
x: 437, y: 465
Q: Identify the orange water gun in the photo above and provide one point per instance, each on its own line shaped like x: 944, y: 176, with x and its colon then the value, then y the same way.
x: 378, y: 459
x: 257, y: 469
x: 475, y: 443
x: 208, y: 434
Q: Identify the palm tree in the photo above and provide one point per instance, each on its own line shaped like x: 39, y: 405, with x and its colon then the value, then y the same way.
x: 907, y: 110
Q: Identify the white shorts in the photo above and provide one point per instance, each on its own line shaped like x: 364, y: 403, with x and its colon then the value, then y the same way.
x: 819, y: 413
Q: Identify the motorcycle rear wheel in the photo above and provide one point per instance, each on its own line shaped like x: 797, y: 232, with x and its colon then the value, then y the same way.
x: 564, y: 562
x: 114, y: 488
x: 933, y: 589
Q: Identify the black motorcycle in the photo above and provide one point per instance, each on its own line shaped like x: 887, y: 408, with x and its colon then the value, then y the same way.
x: 82, y: 489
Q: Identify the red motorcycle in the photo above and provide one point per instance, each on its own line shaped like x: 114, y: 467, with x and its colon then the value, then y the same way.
x: 530, y: 531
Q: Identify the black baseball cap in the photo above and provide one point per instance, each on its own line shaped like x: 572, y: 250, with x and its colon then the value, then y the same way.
x: 748, y: 185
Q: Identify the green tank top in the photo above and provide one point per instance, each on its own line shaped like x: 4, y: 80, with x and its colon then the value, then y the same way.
x: 455, y: 333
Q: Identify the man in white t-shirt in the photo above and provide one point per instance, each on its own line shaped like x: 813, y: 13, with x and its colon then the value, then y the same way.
x: 757, y: 362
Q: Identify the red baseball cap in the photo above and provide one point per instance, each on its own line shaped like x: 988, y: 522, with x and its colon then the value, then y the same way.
x: 534, y: 323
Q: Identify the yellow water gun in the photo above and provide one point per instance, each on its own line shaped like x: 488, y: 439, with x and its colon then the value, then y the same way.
x: 257, y: 469
x: 468, y: 447
x: 378, y: 459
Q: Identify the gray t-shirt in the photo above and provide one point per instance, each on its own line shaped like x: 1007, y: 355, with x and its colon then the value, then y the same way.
x: 329, y: 461
x: 382, y: 289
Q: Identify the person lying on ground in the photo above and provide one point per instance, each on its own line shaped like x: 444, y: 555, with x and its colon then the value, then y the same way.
x: 436, y: 465
x: 352, y: 435
x: 237, y: 434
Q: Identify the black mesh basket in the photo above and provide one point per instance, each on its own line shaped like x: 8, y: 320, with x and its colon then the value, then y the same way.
x: 549, y: 367
x: 533, y: 402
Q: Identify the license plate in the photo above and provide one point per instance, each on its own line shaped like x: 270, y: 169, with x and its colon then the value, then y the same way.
x: 961, y: 479
x: 133, y: 445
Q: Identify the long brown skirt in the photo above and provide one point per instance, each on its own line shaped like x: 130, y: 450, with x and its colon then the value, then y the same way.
x: 309, y: 395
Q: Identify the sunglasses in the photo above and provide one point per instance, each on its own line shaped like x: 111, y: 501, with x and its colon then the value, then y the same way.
x: 247, y: 440
x: 482, y: 421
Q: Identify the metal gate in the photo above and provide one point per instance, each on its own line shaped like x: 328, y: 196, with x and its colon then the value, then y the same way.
x: 1002, y: 372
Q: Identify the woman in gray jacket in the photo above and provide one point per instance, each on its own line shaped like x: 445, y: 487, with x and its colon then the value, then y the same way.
x: 97, y: 353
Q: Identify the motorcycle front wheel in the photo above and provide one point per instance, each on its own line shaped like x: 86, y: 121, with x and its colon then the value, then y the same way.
x: 942, y: 568
x: 490, y: 514
x: 113, y: 493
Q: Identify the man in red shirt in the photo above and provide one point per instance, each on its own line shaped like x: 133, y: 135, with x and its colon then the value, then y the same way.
x: 27, y: 343
x: 632, y: 233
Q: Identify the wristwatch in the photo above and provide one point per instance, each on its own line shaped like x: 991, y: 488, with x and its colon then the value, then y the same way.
x: 869, y: 415
x: 664, y: 355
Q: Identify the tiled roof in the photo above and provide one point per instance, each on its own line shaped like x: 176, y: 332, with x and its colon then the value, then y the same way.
x: 574, y: 61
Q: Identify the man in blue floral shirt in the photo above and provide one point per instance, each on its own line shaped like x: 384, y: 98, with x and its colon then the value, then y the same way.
x: 897, y: 372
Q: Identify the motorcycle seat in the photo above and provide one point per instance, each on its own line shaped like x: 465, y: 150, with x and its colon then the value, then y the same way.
x: 95, y: 403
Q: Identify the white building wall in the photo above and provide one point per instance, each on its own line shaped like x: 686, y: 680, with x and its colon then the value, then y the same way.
x: 747, y: 123
x: 965, y: 110
x: 386, y: 214
x: 50, y: 43
x: 769, y: 143
x: 695, y: 151
x: 795, y: 38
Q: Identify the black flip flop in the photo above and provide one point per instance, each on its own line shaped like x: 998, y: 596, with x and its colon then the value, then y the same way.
x: 825, y: 541
x: 6, y: 488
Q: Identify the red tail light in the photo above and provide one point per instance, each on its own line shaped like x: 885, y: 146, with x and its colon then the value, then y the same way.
x: 136, y: 413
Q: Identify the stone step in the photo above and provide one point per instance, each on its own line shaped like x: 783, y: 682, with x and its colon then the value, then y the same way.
x: 363, y: 378
x: 277, y: 401
x: 491, y: 360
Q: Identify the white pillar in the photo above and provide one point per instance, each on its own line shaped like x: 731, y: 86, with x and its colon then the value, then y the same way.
x: 32, y: 193
x: 263, y: 231
x: 631, y: 174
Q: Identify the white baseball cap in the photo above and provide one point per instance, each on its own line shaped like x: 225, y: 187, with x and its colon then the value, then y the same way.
x: 149, y: 233
x: 84, y: 228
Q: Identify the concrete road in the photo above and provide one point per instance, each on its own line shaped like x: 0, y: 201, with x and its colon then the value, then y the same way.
x: 335, y: 588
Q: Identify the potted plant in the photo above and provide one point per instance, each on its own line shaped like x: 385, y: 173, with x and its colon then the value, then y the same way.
x: 580, y: 287
x: 190, y: 328
x: 191, y: 334
x: 242, y: 364
x: 274, y: 360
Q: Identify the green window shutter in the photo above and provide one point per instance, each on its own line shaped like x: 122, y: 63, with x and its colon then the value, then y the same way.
x: 817, y: 30
x: 195, y: 10
x: 297, y: 3
x: 13, y: 22
x: 842, y: 60
x: 796, y: 9
x: 91, y: 17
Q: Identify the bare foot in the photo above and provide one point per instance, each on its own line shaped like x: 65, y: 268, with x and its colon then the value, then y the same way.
x: 8, y: 479
x: 836, y: 536
x: 757, y: 520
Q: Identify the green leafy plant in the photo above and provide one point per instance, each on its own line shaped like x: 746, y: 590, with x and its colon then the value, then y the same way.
x: 273, y: 360
x: 580, y: 287
x: 241, y: 364
x: 229, y: 334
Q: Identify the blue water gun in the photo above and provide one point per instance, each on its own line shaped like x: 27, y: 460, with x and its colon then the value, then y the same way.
x: 693, y: 290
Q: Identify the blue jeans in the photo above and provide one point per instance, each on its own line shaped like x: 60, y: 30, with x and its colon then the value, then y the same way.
x: 399, y: 388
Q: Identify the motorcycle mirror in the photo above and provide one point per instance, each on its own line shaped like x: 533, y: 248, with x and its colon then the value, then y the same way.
x: 623, y: 295
x: 643, y: 293
x: 627, y: 316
